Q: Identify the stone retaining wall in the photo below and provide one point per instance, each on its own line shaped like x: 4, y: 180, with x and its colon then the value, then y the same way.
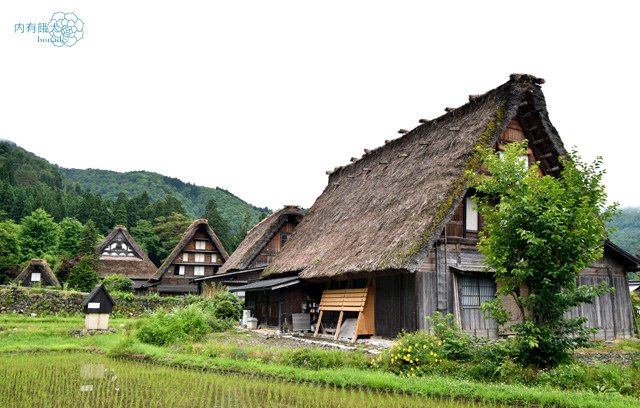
x: 15, y: 299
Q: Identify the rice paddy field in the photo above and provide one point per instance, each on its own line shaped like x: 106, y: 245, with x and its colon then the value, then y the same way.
x: 88, y: 380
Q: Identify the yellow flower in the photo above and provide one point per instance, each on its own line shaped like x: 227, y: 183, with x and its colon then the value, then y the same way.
x: 424, y: 346
x: 439, y: 343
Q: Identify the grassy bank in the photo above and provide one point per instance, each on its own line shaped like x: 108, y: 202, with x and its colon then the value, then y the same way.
x: 247, y: 354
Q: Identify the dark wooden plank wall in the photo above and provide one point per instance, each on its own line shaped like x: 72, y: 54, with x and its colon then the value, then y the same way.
x: 395, y: 304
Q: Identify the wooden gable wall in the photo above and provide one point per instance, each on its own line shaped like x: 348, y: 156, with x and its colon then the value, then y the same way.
x: 273, y: 247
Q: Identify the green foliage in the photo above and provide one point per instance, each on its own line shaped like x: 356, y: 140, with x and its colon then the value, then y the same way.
x: 169, y: 230
x: 413, y: 354
x: 70, y: 236
x: 217, y: 223
x: 144, y: 235
x: 89, y: 238
x: 118, y: 283
x: 83, y: 276
x: 313, y: 358
x: 39, y: 234
x: 626, y: 229
x: 186, y: 323
x: 10, y: 252
x: 455, y: 344
x: 193, y: 198
x: 227, y: 306
x: 540, y: 232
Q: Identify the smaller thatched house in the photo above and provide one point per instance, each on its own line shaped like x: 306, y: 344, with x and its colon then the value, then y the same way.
x: 261, y: 245
x: 120, y: 254
x: 199, y: 253
x: 37, y: 272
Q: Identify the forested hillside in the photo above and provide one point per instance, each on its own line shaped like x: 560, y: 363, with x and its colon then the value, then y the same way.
x: 627, y: 234
x: 45, y: 214
x: 194, y: 198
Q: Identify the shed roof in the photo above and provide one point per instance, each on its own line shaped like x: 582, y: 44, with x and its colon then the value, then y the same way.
x: 383, y: 212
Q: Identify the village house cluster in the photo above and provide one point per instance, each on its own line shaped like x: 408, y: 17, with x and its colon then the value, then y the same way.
x: 390, y: 241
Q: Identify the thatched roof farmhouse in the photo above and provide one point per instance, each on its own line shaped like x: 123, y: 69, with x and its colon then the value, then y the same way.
x: 37, y: 272
x: 401, y: 222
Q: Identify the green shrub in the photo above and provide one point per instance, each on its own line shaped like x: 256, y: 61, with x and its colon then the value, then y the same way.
x: 118, y: 283
x: 313, y: 358
x: 83, y: 276
x: 186, y: 323
x: 227, y: 305
x: 413, y: 354
x: 456, y: 345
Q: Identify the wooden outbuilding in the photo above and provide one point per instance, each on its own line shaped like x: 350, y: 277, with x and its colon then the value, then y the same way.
x: 199, y: 253
x: 38, y: 272
x: 401, y: 220
x: 97, y: 308
x: 261, y: 245
x: 120, y: 254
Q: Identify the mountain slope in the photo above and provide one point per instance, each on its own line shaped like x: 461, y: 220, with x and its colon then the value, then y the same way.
x: 194, y: 198
x: 627, y: 233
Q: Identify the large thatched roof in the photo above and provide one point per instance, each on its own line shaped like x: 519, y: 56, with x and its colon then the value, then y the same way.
x: 39, y: 266
x: 259, y: 237
x: 383, y: 212
x: 201, y: 224
x: 133, y: 263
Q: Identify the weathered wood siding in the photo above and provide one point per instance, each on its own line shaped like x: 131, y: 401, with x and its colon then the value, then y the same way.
x: 612, y: 313
x: 395, y: 304
x: 273, y: 247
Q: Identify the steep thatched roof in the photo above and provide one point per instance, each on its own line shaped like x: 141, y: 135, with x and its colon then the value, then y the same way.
x: 186, y: 237
x: 39, y: 266
x: 135, y: 264
x: 383, y: 212
x: 259, y: 237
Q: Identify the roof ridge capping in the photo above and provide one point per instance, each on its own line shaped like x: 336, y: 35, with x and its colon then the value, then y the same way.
x: 527, y: 78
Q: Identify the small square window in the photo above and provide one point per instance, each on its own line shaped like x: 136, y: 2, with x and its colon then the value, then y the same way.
x: 201, y: 244
x: 198, y: 270
x: 199, y: 257
x: 284, y: 237
x: 471, y: 210
x: 35, y: 277
x: 185, y: 257
x: 214, y: 258
x: 181, y: 270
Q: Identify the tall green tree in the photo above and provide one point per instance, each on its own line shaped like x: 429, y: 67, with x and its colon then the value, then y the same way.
x: 217, y: 223
x: 539, y: 233
x: 169, y: 231
x: 39, y: 234
x: 70, y: 236
x: 120, y: 210
x: 241, y: 234
x: 84, y: 276
x: 145, y: 235
x: 10, y: 253
x: 89, y: 238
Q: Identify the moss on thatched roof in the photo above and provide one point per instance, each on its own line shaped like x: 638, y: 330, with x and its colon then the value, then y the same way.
x: 136, y: 266
x: 41, y: 266
x: 201, y: 224
x: 259, y: 236
x: 384, y: 211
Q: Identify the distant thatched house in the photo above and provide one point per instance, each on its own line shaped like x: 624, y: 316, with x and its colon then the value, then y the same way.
x: 401, y: 223
x: 37, y: 272
x: 255, y: 253
x: 198, y: 254
x: 120, y: 254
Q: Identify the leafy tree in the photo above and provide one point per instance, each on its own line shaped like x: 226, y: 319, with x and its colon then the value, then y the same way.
x: 83, y: 276
x: 539, y: 233
x: 169, y: 231
x: 89, y: 238
x: 10, y: 254
x: 145, y: 235
x: 118, y: 283
x: 70, y: 235
x: 65, y: 266
x: 217, y: 223
x: 39, y: 234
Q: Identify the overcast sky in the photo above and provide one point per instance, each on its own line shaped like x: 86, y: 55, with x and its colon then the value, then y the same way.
x: 261, y: 97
